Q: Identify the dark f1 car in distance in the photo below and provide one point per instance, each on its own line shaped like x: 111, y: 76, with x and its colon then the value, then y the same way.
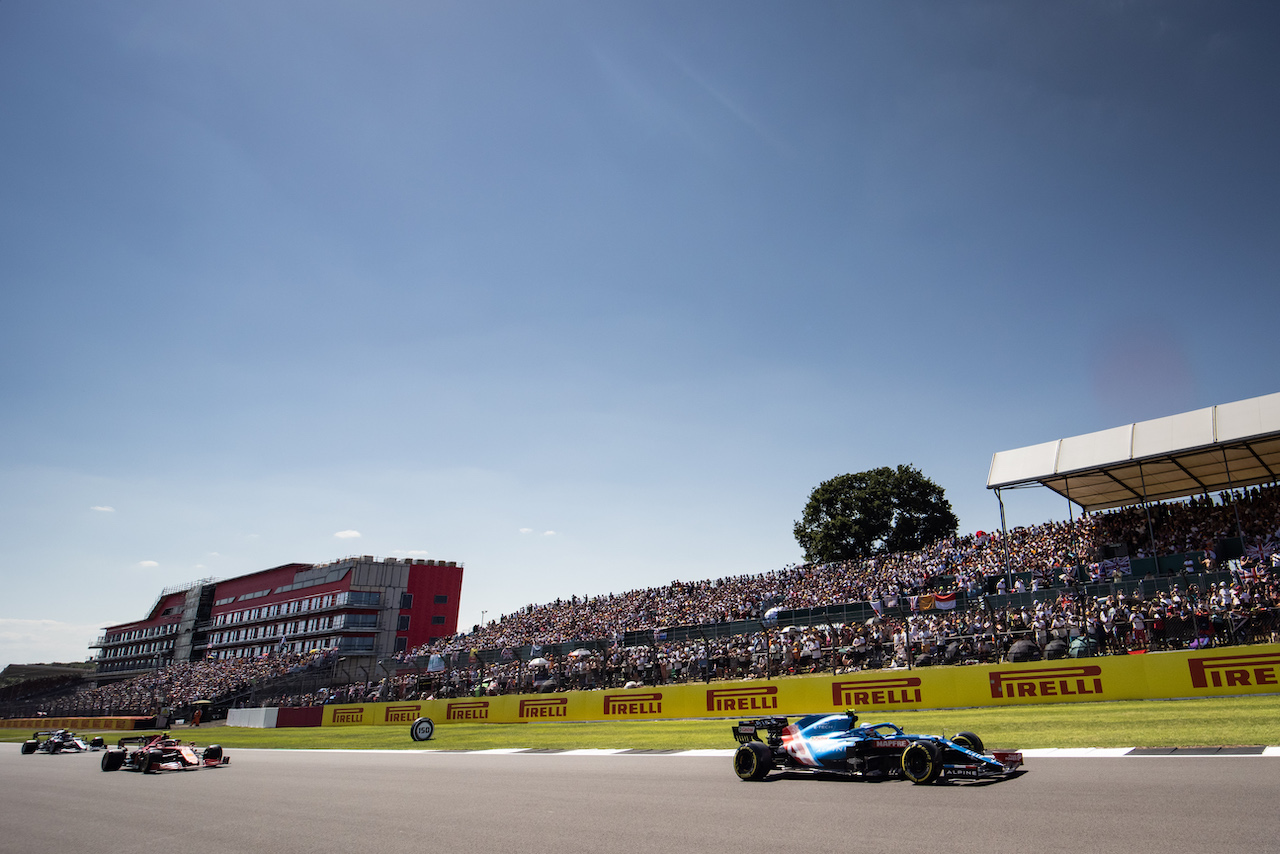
x: 156, y: 753
x: 61, y: 741
x: 834, y: 743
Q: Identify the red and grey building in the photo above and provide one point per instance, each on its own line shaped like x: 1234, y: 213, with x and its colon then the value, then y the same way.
x: 359, y: 606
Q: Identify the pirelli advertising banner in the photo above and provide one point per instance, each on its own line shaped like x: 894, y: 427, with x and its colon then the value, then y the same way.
x: 1202, y: 673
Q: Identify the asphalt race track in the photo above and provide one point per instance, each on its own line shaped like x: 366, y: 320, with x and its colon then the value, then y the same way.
x: 423, y: 801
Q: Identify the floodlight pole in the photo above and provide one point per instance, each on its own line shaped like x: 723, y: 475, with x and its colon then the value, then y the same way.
x: 1146, y: 506
x: 1226, y: 464
x: 1004, y: 544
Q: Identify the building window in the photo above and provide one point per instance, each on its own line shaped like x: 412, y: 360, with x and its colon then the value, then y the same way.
x: 406, y: 601
x: 437, y: 620
x: 402, y: 625
x: 402, y: 644
x: 442, y: 599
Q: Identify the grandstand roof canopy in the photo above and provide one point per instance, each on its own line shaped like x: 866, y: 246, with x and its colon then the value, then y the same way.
x: 1221, y: 447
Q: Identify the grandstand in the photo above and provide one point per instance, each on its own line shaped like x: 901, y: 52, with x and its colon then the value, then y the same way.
x: 1225, y: 447
x: 925, y: 608
x: 362, y: 607
x: 1192, y: 570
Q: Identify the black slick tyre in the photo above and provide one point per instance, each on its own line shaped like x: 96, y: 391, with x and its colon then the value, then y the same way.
x: 969, y: 740
x: 151, y: 761
x: 921, y: 762
x: 29, y: 746
x: 213, y: 753
x: 112, y: 760
x: 422, y: 729
x: 752, y: 761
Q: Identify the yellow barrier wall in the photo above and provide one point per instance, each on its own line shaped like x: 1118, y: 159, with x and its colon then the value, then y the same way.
x: 1164, y: 675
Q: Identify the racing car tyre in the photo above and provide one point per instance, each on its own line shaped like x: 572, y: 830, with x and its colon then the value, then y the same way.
x: 753, y: 761
x: 151, y: 761
x: 968, y: 739
x: 921, y: 762
x: 55, y: 747
x: 97, y: 743
x: 112, y: 760
x: 29, y: 746
x: 422, y: 729
x: 213, y: 753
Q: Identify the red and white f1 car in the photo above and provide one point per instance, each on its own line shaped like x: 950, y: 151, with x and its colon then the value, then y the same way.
x: 161, y: 753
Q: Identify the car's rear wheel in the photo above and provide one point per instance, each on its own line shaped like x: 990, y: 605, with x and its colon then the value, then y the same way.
x: 753, y: 761
x: 969, y: 740
x: 29, y: 746
x: 921, y: 762
x: 112, y: 760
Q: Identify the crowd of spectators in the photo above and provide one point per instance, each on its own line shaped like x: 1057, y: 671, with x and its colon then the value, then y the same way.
x: 181, y: 684
x: 1048, y: 551
x: 1058, y: 557
x: 1069, y: 623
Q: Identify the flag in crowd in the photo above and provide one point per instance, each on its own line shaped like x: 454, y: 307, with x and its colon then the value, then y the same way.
x: 1267, y: 550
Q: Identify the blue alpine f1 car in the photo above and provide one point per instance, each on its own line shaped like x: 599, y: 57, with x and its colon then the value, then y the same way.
x: 834, y: 743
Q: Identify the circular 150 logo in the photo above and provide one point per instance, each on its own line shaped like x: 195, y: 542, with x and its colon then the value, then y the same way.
x: 422, y: 729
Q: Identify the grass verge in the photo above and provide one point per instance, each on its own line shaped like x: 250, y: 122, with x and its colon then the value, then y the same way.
x: 1140, y: 723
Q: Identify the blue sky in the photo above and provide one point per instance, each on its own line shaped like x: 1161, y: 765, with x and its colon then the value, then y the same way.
x: 589, y: 296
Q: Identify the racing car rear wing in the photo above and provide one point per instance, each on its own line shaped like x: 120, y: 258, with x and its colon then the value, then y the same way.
x: 746, y: 731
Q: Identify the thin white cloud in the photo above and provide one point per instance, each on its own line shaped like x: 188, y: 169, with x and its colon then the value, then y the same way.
x: 548, y: 533
x: 102, y: 508
x: 348, y: 535
x: 31, y: 641
x: 148, y: 563
x: 733, y: 108
x: 526, y: 530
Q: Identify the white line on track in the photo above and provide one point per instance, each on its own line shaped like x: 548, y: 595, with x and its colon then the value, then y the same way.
x: 1034, y: 753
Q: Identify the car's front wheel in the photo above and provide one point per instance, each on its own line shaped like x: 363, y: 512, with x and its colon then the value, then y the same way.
x: 921, y: 762
x: 151, y: 762
x: 753, y: 761
x: 969, y: 740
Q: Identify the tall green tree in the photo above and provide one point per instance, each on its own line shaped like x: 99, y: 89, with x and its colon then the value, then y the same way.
x: 880, y: 511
